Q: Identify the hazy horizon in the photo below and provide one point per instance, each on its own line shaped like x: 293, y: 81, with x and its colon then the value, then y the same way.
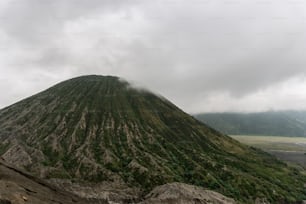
x: 204, y: 56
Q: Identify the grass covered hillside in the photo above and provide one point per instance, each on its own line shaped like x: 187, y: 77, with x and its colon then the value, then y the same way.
x: 99, y: 128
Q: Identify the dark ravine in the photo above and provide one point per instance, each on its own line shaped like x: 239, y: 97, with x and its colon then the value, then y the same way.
x: 97, y: 129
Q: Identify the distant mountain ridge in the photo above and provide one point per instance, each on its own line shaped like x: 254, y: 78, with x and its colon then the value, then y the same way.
x: 100, y: 129
x: 274, y: 123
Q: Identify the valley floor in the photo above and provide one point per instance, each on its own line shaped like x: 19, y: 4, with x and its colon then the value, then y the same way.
x: 289, y: 149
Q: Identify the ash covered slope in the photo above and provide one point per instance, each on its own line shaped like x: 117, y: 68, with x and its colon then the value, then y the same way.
x: 180, y: 193
x: 98, y: 128
x: 18, y: 187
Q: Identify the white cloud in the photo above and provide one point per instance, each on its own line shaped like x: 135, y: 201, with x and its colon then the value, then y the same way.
x: 286, y: 95
x: 203, y: 55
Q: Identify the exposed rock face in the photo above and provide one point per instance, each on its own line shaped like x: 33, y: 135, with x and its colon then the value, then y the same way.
x: 96, y: 129
x: 180, y: 193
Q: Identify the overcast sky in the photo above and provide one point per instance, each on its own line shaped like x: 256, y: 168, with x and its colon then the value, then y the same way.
x: 203, y: 55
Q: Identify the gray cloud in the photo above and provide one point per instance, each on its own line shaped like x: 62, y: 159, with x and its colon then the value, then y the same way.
x: 194, y: 52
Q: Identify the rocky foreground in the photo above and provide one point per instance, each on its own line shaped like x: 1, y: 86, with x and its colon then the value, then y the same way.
x: 180, y: 193
x: 18, y: 187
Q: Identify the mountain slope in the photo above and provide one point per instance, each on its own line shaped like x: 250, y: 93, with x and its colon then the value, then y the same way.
x: 274, y: 123
x: 18, y: 187
x: 97, y: 128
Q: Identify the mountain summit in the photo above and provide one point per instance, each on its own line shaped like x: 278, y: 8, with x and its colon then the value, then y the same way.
x: 99, y: 128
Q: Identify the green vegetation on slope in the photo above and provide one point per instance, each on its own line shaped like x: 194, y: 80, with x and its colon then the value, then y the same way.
x: 274, y: 123
x: 98, y: 128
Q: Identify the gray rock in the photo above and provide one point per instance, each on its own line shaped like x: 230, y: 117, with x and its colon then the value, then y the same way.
x: 180, y: 193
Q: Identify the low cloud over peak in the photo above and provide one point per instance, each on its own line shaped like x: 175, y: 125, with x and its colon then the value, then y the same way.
x: 203, y: 55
